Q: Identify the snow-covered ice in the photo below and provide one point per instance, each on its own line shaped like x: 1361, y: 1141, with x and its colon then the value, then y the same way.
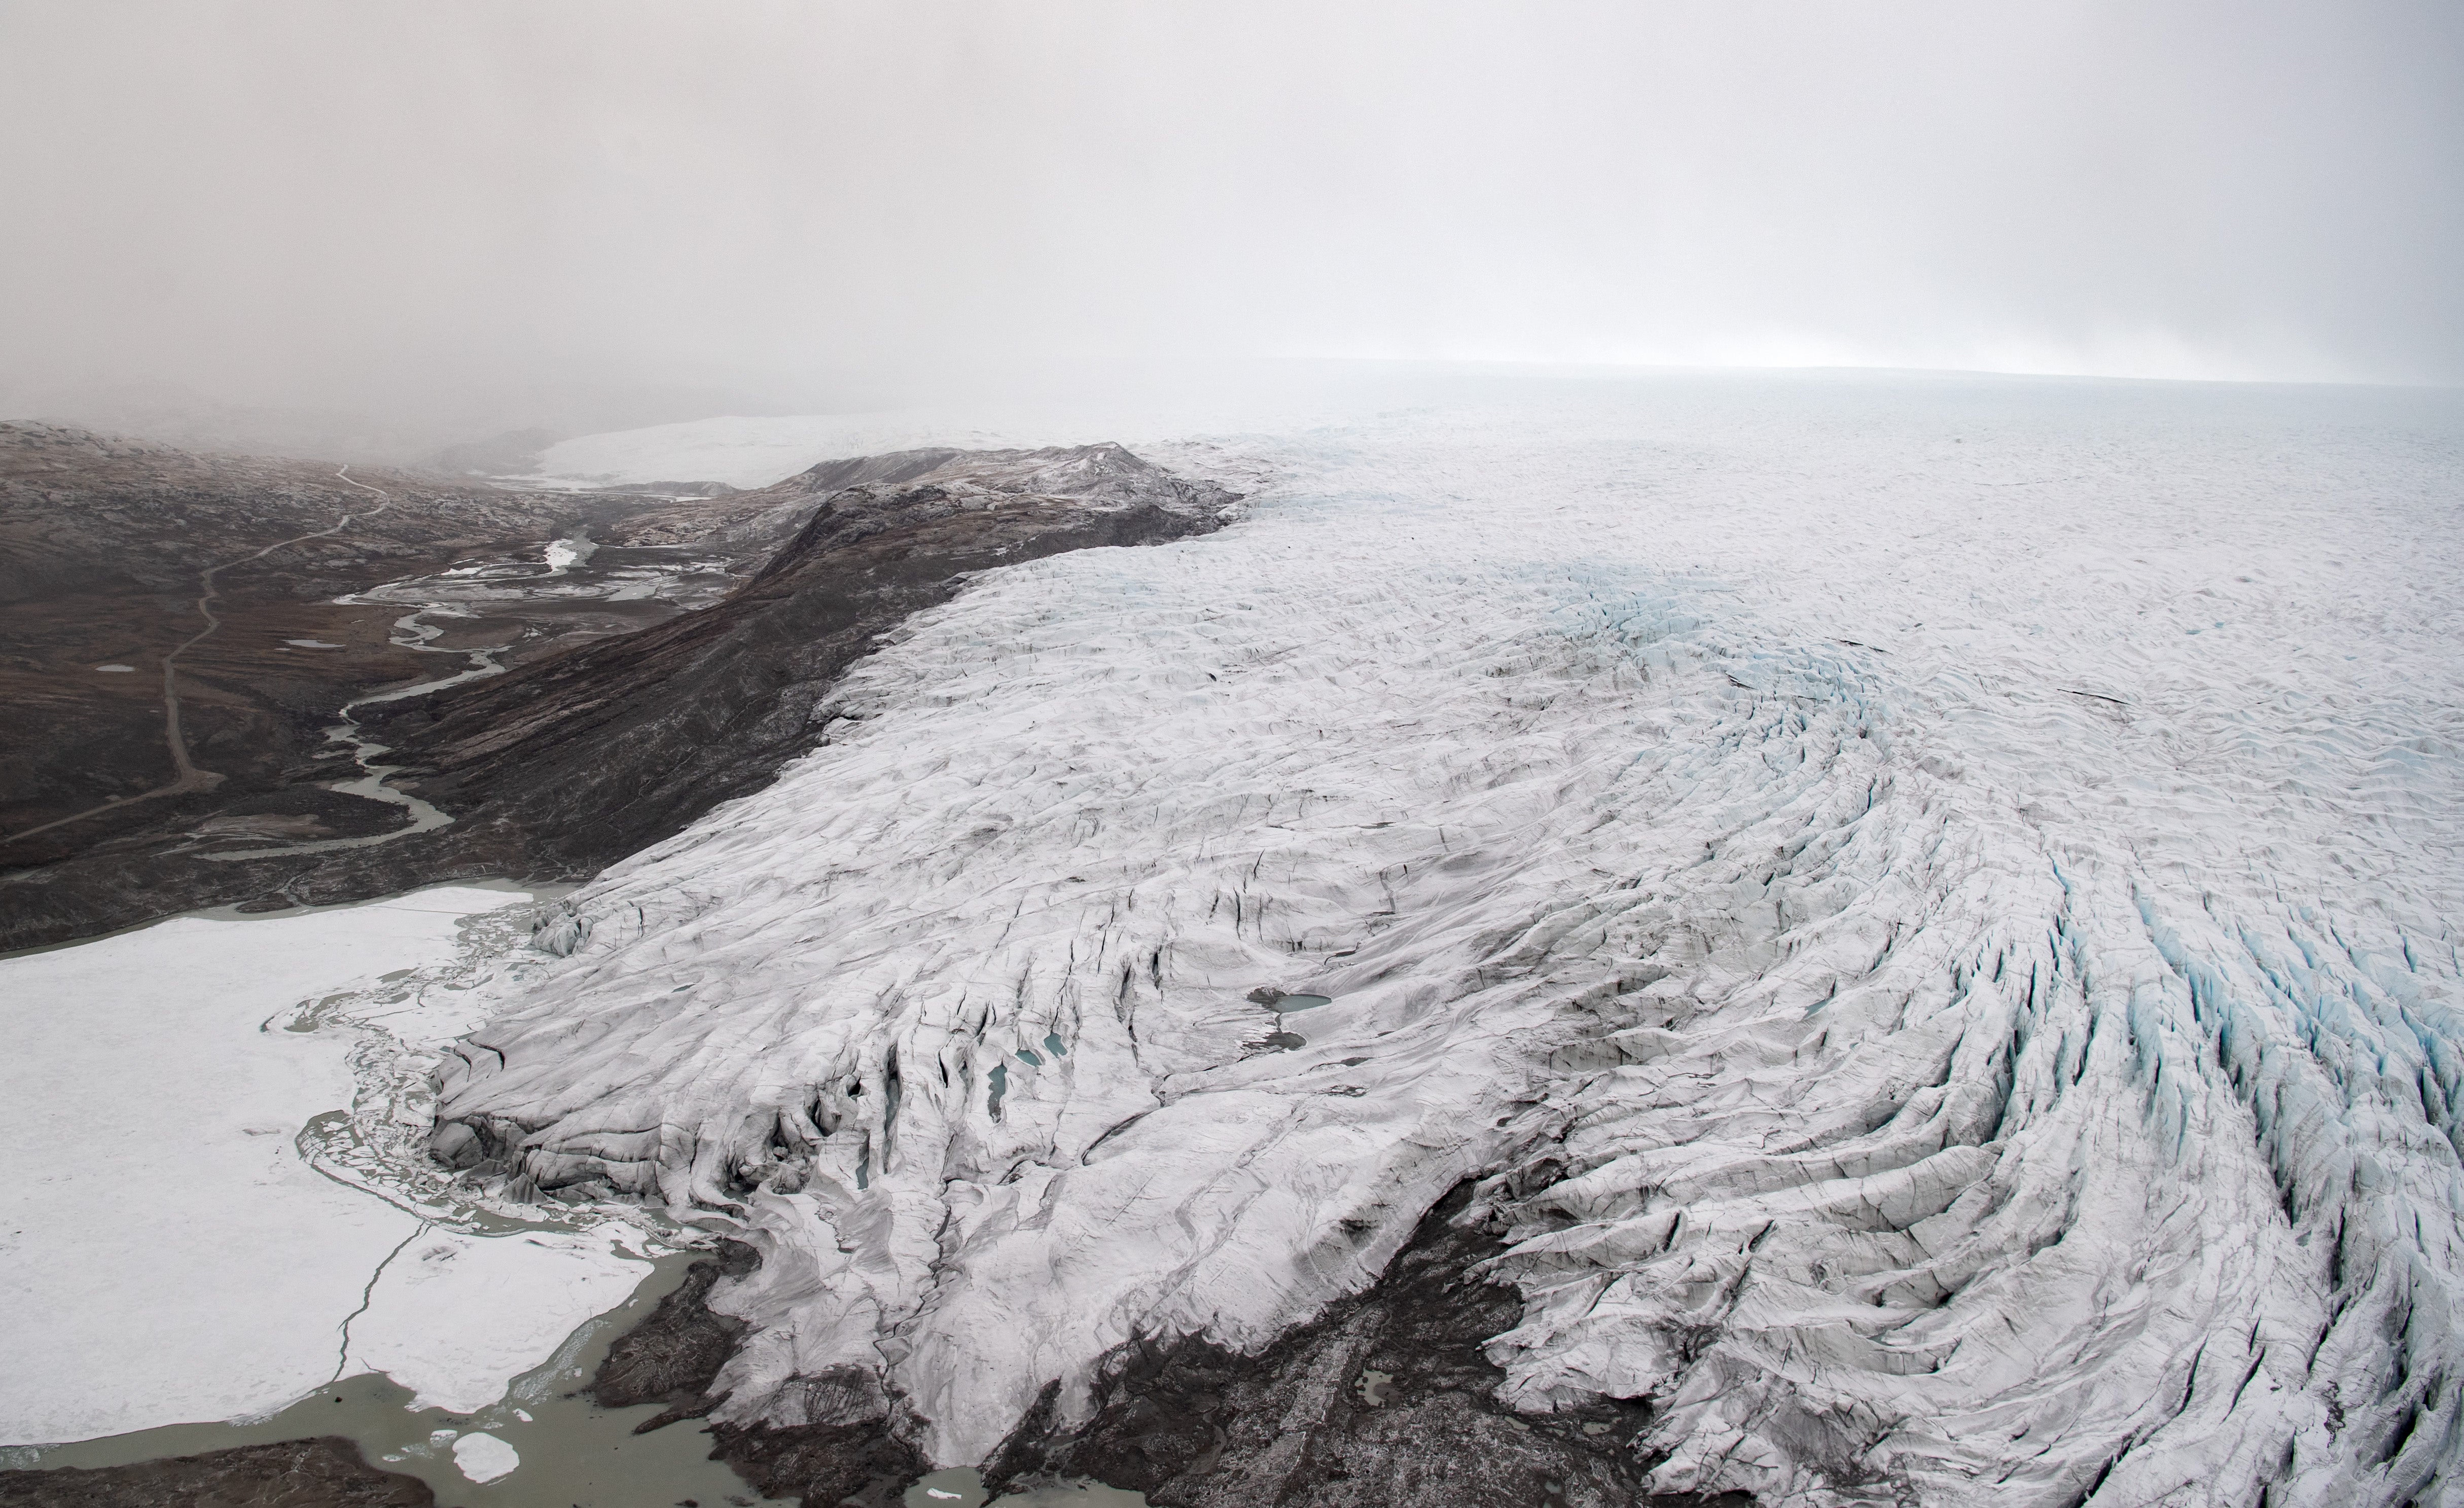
x: 482, y: 1458
x: 456, y: 1316
x: 1930, y: 903
x: 169, y: 1252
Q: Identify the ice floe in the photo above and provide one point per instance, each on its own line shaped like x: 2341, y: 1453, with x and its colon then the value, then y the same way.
x: 483, y: 1458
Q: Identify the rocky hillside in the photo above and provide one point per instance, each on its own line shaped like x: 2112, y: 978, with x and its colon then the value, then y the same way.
x: 643, y: 680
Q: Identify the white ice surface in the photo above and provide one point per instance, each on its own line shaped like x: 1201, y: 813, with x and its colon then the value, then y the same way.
x: 482, y: 1458
x: 166, y: 1254
x: 458, y: 1316
x: 749, y: 452
x: 1932, y: 904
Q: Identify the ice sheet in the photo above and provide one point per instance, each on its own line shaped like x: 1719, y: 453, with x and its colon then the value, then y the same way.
x: 1929, y: 903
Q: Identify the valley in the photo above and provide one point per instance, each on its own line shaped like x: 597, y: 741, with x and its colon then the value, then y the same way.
x: 212, y: 719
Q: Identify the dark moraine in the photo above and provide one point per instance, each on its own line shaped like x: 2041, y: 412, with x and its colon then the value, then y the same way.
x: 674, y: 1355
x: 294, y: 1474
x: 1384, y: 1398
x: 599, y: 749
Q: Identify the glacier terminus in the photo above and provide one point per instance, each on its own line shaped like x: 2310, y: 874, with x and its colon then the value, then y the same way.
x: 1907, y: 925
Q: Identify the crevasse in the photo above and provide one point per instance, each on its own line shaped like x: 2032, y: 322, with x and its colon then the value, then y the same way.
x: 1929, y: 912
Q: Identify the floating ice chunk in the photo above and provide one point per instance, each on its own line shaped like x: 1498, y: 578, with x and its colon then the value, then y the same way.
x: 484, y: 1458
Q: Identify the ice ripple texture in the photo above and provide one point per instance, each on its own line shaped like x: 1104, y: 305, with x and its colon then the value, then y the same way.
x: 1930, y: 909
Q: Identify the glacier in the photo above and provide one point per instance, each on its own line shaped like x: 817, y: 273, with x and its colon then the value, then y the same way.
x: 1925, y: 909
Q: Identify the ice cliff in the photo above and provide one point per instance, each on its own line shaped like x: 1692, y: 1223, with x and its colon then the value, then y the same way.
x: 1929, y: 915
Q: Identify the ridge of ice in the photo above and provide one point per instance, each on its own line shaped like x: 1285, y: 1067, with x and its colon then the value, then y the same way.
x: 1931, y: 908
x: 746, y: 452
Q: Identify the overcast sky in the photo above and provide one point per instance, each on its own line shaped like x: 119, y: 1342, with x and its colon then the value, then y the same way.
x: 377, y: 203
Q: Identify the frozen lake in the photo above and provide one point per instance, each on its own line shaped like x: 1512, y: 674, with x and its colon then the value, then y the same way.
x: 175, y: 1246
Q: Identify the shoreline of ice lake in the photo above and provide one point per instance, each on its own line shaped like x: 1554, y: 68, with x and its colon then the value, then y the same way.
x: 188, y: 1263
x: 451, y: 1356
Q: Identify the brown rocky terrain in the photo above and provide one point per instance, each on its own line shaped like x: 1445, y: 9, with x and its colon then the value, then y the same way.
x: 294, y: 1474
x: 674, y: 667
x: 102, y: 542
x: 1386, y: 1397
x: 276, y: 590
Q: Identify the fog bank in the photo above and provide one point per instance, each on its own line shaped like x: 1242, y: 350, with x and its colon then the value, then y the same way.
x: 593, y: 215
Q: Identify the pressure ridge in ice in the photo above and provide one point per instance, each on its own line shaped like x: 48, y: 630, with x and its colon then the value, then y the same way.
x: 1929, y: 910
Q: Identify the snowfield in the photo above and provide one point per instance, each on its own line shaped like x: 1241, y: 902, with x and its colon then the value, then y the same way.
x: 1931, y: 907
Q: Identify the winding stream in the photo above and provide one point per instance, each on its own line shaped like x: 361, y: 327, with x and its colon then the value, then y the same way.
x: 186, y: 776
x: 411, y: 632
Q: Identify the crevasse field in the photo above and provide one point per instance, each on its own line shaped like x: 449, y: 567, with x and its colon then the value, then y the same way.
x: 1929, y: 907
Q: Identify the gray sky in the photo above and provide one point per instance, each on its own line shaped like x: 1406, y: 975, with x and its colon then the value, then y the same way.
x: 431, y: 204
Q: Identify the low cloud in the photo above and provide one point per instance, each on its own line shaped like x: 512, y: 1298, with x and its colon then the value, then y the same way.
x: 510, y: 212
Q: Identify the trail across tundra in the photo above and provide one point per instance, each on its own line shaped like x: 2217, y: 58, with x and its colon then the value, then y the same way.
x: 186, y: 776
x: 1949, y: 988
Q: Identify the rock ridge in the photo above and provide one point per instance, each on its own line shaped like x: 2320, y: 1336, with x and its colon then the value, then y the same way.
x: 325, y: 1471
x: 592, y: 752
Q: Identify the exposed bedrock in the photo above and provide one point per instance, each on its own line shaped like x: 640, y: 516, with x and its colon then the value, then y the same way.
x: 590, y: 753
x: 326, y: 1472
x: 1384, y: 1398
x: 844, y: 1451
x: 583, y: 760
x: 675, y: 1352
